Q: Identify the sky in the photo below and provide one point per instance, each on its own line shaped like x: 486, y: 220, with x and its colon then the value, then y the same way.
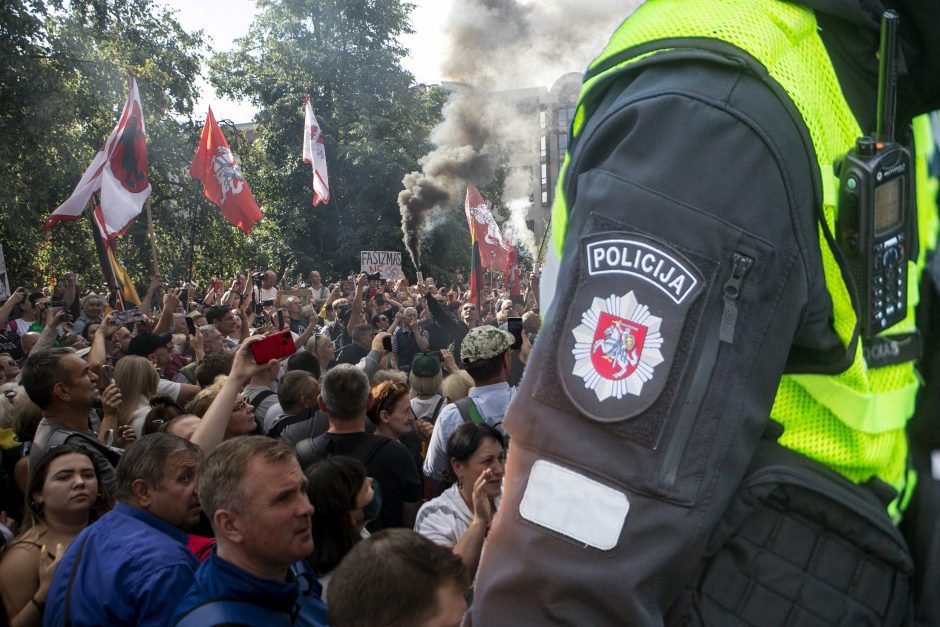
x: 223, y: 21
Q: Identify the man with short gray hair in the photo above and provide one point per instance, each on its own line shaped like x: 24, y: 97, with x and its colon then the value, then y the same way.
x: 255, y: 495
x: 132, y: 564
x: 344, y: 397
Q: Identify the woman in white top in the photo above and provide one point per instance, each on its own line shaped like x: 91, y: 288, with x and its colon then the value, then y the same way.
x: 461, y: 516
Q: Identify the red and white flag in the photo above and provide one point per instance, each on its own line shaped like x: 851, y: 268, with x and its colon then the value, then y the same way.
x: 119, y: 171
x: 315, y: 154
x: 214, y: 165
x: 484, y: 231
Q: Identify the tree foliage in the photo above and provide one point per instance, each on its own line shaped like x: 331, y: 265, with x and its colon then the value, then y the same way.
x: 62, y: 86
x: 63, y: 81
x: 345, y: 54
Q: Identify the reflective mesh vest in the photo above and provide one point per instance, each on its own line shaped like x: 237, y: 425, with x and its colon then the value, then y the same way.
x: 854, y: 421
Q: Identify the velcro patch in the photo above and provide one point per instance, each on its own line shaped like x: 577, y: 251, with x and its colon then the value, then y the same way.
x: 624, y: 323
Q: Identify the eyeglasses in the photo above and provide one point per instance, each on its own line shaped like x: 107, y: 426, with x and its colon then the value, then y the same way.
x: 240, y: 405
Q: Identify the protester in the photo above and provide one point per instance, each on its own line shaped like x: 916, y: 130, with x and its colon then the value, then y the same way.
x: 360, y: 346
x: 461, y: 516
x: 344, y: 500
x: 318, y: 292
x: 486, y: 356
x: 92, y: 311
x: 133, y: 565
x: 456, y: 386
x: 390, y: 412
x: 408, y: 340
x: 322, y: 347
x: 62, y: 499
x: 300, y: 416
x: 344, y: 397
x: 137, y: 379
x: 260, y: 392
x: 398, y: 577
x: 254, y: 493
x: 63, y: 386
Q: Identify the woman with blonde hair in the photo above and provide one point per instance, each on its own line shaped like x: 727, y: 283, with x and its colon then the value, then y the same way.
x: 457, y: 386
x: 137, y: 379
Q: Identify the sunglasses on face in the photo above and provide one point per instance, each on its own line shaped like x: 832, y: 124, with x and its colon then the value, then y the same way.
x: 240, y: 405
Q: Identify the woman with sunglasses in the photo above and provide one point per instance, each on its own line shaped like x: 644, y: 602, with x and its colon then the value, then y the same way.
x: 65, y: 495
x: 344, y: 500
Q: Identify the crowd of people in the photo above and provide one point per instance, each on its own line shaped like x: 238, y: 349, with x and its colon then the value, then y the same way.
x: 156, y: 471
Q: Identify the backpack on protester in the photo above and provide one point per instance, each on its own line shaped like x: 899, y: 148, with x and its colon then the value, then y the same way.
x: 311, y: 450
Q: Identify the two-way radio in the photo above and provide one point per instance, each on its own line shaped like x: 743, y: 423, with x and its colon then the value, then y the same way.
x: 877, y: 225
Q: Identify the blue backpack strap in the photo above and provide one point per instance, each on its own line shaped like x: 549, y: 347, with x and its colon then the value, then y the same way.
x: 231, y: 612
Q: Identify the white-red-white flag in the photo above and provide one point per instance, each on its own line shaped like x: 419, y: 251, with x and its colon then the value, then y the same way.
x: 315, y: 154
x: 119, y: 170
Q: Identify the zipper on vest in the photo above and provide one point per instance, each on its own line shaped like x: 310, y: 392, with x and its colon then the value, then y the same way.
x: 740, y: 266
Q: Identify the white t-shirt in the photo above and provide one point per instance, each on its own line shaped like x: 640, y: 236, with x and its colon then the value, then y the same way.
x: 267, y: 293
x: 444, y: 520
x: 424, y: 408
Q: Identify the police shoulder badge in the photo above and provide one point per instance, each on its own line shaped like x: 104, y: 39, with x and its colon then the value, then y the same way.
x: 624, y: 323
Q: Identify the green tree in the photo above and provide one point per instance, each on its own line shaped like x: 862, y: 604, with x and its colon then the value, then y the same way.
x: 62, y: 85
x: 345, y: 54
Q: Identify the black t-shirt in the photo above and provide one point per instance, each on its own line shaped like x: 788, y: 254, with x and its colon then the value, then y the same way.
x: 392, y: 466
x: 351, y: 354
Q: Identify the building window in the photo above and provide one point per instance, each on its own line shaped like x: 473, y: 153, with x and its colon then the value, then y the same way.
x: 543, y: 147
x: 562, y: 146
x: 543, y: 119
x: 544, y: 174
x: 564, y: 117
x: 544, y: 198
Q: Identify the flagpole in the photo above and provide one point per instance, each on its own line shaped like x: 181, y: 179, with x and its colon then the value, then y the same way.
x: 153, y: 239
x: 99, y: 249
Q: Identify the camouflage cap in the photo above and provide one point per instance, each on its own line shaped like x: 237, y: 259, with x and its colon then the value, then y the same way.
x: 484, y: 342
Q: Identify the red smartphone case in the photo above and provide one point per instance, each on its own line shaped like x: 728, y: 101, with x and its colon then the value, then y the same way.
x: 273, y: 347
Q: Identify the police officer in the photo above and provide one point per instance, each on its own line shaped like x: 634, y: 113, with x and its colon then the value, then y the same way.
x: 712, y: 432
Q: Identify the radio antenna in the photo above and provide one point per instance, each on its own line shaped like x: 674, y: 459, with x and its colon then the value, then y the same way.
x: 887, y: 77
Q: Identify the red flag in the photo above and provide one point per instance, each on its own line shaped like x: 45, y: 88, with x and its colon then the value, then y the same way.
x: 315, y: 154
x: 511, y: 281
x: 214, y: 165
x: 118, y: 171
x: 484, y: 230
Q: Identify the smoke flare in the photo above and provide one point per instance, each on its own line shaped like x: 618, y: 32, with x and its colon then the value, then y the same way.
x: 499, y: 45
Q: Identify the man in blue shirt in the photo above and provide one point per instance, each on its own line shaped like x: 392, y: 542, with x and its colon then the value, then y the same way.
x: 255, y: 494
x: 485, y: 353
x: 131, y: 566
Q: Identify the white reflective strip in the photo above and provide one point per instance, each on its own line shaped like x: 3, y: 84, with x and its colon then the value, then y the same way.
x: 573, y: 505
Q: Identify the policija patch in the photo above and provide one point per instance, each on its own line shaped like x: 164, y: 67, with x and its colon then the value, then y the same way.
x: 625, y: 320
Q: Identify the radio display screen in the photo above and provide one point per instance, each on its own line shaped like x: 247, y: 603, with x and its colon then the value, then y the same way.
x: 888, y: 204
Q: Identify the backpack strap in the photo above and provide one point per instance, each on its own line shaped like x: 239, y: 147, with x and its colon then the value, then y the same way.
x: 260, y: 397
x: 232, y: 612
x: 437, y: 410
x: 368, y: 448
x: 463, y: 406
x: 310, y: 450
x: 278, y: 427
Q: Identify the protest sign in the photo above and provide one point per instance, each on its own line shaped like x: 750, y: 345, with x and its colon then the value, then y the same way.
x: 386, y: 262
